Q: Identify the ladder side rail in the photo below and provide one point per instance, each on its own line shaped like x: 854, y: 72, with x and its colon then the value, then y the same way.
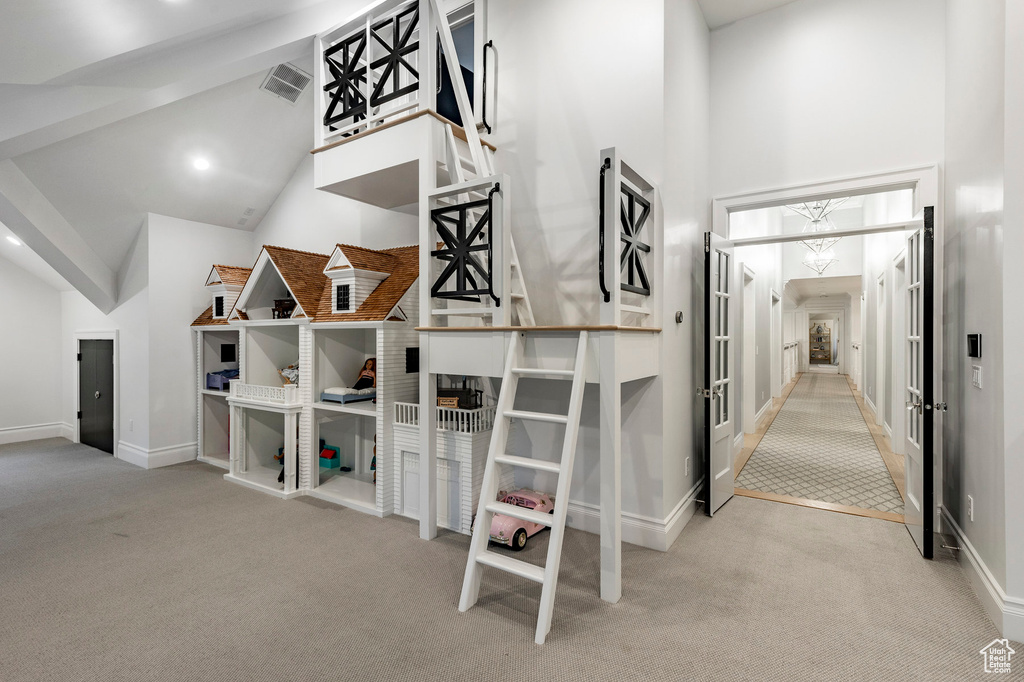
x: 572, y: 430
x: 523, y: 305
x: 489, y: 485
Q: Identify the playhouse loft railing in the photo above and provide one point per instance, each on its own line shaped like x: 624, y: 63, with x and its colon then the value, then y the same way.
x: 448, y: 418
x: 383, y: 64
x: 627, y: 237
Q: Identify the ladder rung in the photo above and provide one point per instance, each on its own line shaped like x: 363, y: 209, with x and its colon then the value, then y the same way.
x: 634, y: 309
x: 537, y: 371
x: 518, y: 297
x: 510, y: 565
x: 537, y: 416
x: 529, y: 463
x: 465, y: 312
x: 521, y: 513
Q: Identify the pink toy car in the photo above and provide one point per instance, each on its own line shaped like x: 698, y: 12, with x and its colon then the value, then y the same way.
x: 513, y: 532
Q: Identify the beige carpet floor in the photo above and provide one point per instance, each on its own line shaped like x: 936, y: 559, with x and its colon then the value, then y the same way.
x: 109, y: 572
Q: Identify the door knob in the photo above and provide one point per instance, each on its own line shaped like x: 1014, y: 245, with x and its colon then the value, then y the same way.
x: 97, y: 395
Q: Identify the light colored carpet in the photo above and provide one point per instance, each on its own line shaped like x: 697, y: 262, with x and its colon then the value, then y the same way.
x: 819, y: 448
x: 109, y: 572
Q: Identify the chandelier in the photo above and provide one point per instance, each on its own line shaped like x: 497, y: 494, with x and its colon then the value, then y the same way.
x: 820, y: 255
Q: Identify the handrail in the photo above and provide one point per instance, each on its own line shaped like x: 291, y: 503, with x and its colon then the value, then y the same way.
x: 490, y: 245
x: 483, y: 100
x: 604, y: 290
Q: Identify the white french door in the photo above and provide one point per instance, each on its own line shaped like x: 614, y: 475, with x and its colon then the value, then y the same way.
x: 920, y: 401
x: 719, y: 388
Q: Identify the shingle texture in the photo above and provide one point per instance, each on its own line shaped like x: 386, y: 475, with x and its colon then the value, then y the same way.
x: 401, y: 263
x: 303, y: 272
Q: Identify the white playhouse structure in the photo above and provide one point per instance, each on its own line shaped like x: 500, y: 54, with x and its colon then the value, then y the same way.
x: 384, y: 138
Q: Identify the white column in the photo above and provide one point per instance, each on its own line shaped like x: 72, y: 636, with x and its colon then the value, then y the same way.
x: 610, y: 469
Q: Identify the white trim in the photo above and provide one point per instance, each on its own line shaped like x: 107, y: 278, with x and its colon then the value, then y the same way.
x: 637, y: 529
x: 737, y: 443
x: 870, y: 405
x: 21, y: 434
x: 91, y: 336
x: 264, y: 489
x: 157, y: 457
x: 1005, y: 611
x: 762, y: 412
x: 888, y: 430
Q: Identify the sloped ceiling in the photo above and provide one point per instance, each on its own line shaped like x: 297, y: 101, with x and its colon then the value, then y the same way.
x: 718, y: 13
x: 105, y: 181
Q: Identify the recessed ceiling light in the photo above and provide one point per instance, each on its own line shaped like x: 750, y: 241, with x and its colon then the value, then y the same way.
x: 13, y: 240
x: 200, y: 163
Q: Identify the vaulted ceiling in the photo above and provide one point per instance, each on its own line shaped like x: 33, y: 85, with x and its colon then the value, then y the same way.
x: 104, y: 105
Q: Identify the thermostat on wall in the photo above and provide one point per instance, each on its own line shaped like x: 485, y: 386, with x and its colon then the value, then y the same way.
x: 974, y: 345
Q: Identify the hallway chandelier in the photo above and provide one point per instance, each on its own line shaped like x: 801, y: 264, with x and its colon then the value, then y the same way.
x: 820, y: 261
x: 820, y: 255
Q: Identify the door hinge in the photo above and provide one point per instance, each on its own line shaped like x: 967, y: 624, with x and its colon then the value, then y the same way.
x: 79, y: 414
x: 79, y: 357
x: 707, y: 242
x: 939, y: 407
x: 703, y: 393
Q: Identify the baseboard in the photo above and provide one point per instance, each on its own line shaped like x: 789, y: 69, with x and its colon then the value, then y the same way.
x: 1006, y: 612
x: 870, y: 405
x: 737, y: 444
x: 888, y: 430
x: 762, y: 412
x: 645, y: 531
x: 20, y: 434
x: 156, y: 457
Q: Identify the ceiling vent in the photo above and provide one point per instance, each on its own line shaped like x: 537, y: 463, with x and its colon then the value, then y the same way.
x: 286, y: 81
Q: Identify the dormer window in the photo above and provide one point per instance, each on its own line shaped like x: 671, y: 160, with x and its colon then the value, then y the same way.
x: 218, y: 306
x: 342, y: 298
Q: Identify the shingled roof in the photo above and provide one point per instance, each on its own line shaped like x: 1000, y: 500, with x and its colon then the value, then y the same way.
x: 402, y: 265
x: 231, y: 275
x: 303, y: 272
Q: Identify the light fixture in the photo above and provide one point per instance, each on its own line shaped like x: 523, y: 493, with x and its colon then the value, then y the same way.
x: 13, y: 240
x: 199, y: 163
x: 820, y: 261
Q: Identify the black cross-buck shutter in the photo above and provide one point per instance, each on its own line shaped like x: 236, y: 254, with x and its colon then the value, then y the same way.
x: 218, y: 306
x: 342, y: 296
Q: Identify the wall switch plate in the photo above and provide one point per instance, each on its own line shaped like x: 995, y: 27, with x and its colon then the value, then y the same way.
x: 976, y: 375
x: 970, y: 507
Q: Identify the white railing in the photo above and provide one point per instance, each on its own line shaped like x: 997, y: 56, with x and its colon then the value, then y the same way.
x: 448, y: 418
x: 373, y: 68
x: 271, y: 395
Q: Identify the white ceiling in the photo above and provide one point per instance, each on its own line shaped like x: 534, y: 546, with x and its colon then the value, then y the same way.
x: 27, y: 259
x: 43, y: 39
x: 718, y: 13
x: 813, y: 287
x: 106, y: 180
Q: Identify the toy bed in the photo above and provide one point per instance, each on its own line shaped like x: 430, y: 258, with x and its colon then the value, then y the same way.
x: 348, y: 395
x: 219, y: 381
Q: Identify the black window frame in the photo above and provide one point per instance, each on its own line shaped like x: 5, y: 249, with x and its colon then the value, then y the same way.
x: 343, y: 295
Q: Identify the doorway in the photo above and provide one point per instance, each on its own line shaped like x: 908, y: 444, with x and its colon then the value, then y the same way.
x: 96, y: 393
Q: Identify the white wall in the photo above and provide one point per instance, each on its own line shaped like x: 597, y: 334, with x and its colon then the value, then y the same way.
x: 820, y: 89
x: 130, y: 318
x: 977, y: 459
x: 305, y: 218
x: 181, y: 253
x: 30, y: 346
x: 765, y: 262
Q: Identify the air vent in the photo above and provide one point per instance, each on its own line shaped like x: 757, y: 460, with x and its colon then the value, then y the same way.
x: 286, y: 81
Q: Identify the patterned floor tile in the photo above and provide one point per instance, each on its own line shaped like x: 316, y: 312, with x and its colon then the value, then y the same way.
x: 819, y: 448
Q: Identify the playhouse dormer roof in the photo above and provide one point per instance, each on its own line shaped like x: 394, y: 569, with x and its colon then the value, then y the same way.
x: 401, y: 265
x: 228, y: 275
x: 301, y: 271
x: 221, y: 276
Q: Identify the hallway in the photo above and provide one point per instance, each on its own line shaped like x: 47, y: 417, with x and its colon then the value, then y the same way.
x: 819, y: 448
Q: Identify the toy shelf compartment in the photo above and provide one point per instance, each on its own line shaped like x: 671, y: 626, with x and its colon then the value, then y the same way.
x: 219, y: 352
x: 264, y: 437
x: 269, y: 349
x: 216, y: 429
x: 353, y: 435
x: 338, y: 357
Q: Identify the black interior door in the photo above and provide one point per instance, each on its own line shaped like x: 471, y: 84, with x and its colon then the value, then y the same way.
x: 96, y: 394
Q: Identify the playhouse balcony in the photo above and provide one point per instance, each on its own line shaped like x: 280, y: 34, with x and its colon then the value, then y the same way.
x: 272, y: 396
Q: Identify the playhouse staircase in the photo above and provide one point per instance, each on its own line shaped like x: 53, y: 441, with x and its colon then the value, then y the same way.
x: 498, y: 456
x: 458, y: 165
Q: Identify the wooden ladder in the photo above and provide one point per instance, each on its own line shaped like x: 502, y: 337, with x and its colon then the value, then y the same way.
x: 457, y: 166
x: 498, y: 456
